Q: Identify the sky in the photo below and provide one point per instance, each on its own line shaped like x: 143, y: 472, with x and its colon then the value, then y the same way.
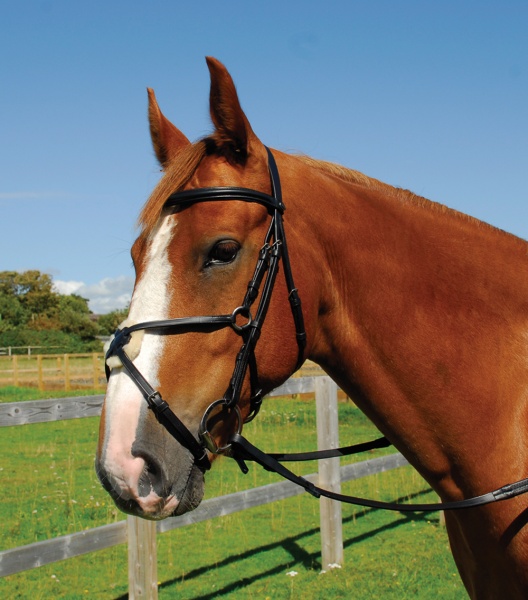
x: 429, y: 96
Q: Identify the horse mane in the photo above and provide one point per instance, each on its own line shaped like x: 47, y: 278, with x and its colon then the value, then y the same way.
x: 346, y: 174
x: 179, y: 172
x: 358, y: 178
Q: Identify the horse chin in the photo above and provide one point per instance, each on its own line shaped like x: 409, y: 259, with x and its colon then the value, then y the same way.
x: 156, y: 505
x: 193, y: 493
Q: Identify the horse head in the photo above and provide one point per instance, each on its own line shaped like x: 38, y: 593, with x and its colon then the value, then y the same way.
x: 192, y: 258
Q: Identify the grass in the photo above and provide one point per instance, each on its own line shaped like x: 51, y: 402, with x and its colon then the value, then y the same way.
x: 11, y: 393
x: 48, y: 488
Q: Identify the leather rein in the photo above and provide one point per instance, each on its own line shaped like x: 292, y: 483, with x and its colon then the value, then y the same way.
x: 248, y: 326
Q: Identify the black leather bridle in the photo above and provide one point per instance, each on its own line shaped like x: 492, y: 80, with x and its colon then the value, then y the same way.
x: 246, y: 324
x: 272, y: 252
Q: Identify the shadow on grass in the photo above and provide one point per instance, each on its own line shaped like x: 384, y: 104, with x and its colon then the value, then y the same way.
x: 297, y: 553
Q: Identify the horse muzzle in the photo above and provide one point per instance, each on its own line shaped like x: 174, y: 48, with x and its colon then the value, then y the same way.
x: 150, y: 486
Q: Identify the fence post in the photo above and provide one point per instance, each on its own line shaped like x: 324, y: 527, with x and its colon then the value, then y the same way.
x: 95, y: 371
x: 329, y: 475
x: 67, y: 372
x: 15, y: 370
x: 142, y: 559
x: 40, y: 373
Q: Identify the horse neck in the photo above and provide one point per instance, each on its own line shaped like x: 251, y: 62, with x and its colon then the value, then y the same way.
x: 416, y: 303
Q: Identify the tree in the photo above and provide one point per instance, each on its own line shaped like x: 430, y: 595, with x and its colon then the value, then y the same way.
x: 28, y: 298
x: 110, y: 322
x: 29, y: 305
x: 74, y: 316
x: 11, y: 313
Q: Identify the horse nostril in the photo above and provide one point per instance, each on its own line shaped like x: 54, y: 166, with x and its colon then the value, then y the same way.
x: 152, y: 478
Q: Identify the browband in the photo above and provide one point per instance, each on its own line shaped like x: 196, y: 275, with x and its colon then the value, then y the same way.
x: 209, y: 194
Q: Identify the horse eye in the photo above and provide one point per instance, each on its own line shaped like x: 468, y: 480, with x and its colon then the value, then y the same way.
x: 223, y: 253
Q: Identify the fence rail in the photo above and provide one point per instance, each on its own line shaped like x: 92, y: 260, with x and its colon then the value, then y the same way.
x: 46, y: 411
x: 142, y: 552
x: 53, y: 371
x: 83, y: 542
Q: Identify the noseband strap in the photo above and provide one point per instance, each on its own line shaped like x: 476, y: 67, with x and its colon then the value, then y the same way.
x: 272, y: 252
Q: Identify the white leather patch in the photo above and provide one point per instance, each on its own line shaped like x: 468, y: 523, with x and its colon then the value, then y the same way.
x: 132, y: 349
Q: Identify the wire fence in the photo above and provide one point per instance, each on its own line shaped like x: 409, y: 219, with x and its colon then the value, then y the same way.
x: 140, y: 535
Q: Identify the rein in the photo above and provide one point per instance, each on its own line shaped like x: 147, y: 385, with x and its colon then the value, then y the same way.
x: 248, y: 327
x: 272, y: 462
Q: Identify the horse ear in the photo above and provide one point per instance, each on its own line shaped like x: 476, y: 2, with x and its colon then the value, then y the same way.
x: 233, y: 132
x: 167, y: 139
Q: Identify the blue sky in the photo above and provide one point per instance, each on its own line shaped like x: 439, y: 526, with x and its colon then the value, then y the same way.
x: 430, y: 96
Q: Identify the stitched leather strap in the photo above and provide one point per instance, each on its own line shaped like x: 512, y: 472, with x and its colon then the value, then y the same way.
x: 332, y: 453
x: 244, y: 450
x: 164, y: 414
x: 224, y: 193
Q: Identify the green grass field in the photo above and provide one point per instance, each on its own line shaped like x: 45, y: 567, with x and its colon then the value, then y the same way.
x: 48, y: 488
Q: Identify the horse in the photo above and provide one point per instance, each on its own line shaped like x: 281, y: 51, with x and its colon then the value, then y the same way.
x: 417, y: 311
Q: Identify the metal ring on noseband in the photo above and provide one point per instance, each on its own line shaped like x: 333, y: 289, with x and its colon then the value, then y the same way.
x: 246, y: 313
x: 206, y: 436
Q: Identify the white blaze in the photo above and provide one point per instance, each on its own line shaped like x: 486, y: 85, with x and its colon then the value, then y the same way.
x: 123, y: 403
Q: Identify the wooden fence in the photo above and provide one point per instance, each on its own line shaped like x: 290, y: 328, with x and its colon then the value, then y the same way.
x: 53, y: 371
x: 141, y: 535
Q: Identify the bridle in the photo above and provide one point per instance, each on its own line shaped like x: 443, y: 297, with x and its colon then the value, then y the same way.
x: 248, y: 326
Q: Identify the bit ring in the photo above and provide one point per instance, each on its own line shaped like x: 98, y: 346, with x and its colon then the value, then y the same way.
x: 206, y: 436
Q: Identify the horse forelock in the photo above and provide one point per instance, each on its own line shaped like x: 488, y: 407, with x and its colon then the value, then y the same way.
x: 176, y: 175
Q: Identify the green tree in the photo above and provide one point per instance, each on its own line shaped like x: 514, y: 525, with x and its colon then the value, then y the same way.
x: 110, y: 322
x: 28, y: 298
x: 74, y: 317
x: 32, y: 313
x: 12, y: 313
x: 48, y: 341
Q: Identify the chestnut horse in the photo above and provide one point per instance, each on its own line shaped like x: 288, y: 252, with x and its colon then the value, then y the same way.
x: 418, y: 312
